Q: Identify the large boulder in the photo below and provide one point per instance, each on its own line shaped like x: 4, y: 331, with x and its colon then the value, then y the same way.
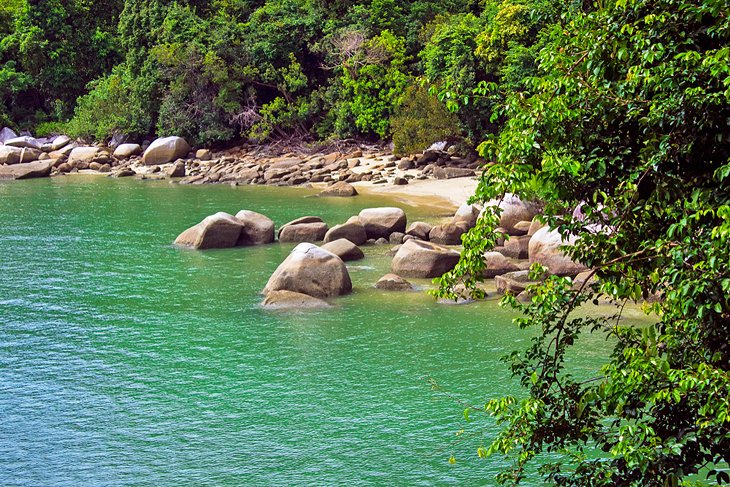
x: 340, y: 188
x: 448, y: 233
x: 84, y: 155
x: 165, y: 149
x: 257, y: 229
x: 17, y: 155
x: 416, y: 258
x: 514, y: 210
x: 28, y: 170
x: 313, y: 271
x: 304, y: 229
x: 467, y: 214
x: 352, y: 230
x: 393, y: 282
x: 381, y: 222
x: 497, y: 264
x: 124, y: 151
x: 25, y: 142
x: 292, y: 300
x: 344, y: 249
x: 544, y: 249
x: 218, y: 231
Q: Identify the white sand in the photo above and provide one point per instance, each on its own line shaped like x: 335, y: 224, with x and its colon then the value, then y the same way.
x: 442, y: 193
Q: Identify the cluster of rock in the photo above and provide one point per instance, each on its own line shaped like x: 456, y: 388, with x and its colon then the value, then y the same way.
x: 312, y: 273
x: 173, y: 157
x: 23, y: 157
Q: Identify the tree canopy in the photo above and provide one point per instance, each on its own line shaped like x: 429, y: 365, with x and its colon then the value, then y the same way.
x: 626, y: 120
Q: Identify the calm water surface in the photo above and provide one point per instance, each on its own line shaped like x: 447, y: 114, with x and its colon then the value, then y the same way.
x: 125, y: 360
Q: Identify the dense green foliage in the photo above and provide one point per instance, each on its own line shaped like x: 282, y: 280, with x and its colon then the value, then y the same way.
x: 628, y: 120
x: 221, y: 70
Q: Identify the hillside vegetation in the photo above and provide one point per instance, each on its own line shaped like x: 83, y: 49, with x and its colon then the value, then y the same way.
x: 260, y: 69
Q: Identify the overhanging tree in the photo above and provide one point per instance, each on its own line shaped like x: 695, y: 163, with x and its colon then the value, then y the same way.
x: 630, y: 120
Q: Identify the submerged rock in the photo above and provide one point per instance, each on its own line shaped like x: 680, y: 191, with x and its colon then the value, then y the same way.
x: 292, y: 300
x: 393, y: 282
x: 313, y: 271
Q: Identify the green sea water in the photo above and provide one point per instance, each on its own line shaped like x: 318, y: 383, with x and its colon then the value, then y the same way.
x: 127, y: 361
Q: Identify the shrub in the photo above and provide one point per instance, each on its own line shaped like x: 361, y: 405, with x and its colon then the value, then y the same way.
x: 420, y: 121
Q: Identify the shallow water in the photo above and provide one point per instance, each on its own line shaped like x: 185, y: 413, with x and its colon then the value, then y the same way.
x: 125, y: 360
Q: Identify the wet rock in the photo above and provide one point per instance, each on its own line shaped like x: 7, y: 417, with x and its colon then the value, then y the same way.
x: 313, y: 271
x: 396, y: 238
x: 513, y: 282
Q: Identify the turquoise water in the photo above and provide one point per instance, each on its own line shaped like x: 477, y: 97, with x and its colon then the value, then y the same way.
x: 125, y: 360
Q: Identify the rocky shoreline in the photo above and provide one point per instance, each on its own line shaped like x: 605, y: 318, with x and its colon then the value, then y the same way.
x: 420, y: 250
x: 23, y: 157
